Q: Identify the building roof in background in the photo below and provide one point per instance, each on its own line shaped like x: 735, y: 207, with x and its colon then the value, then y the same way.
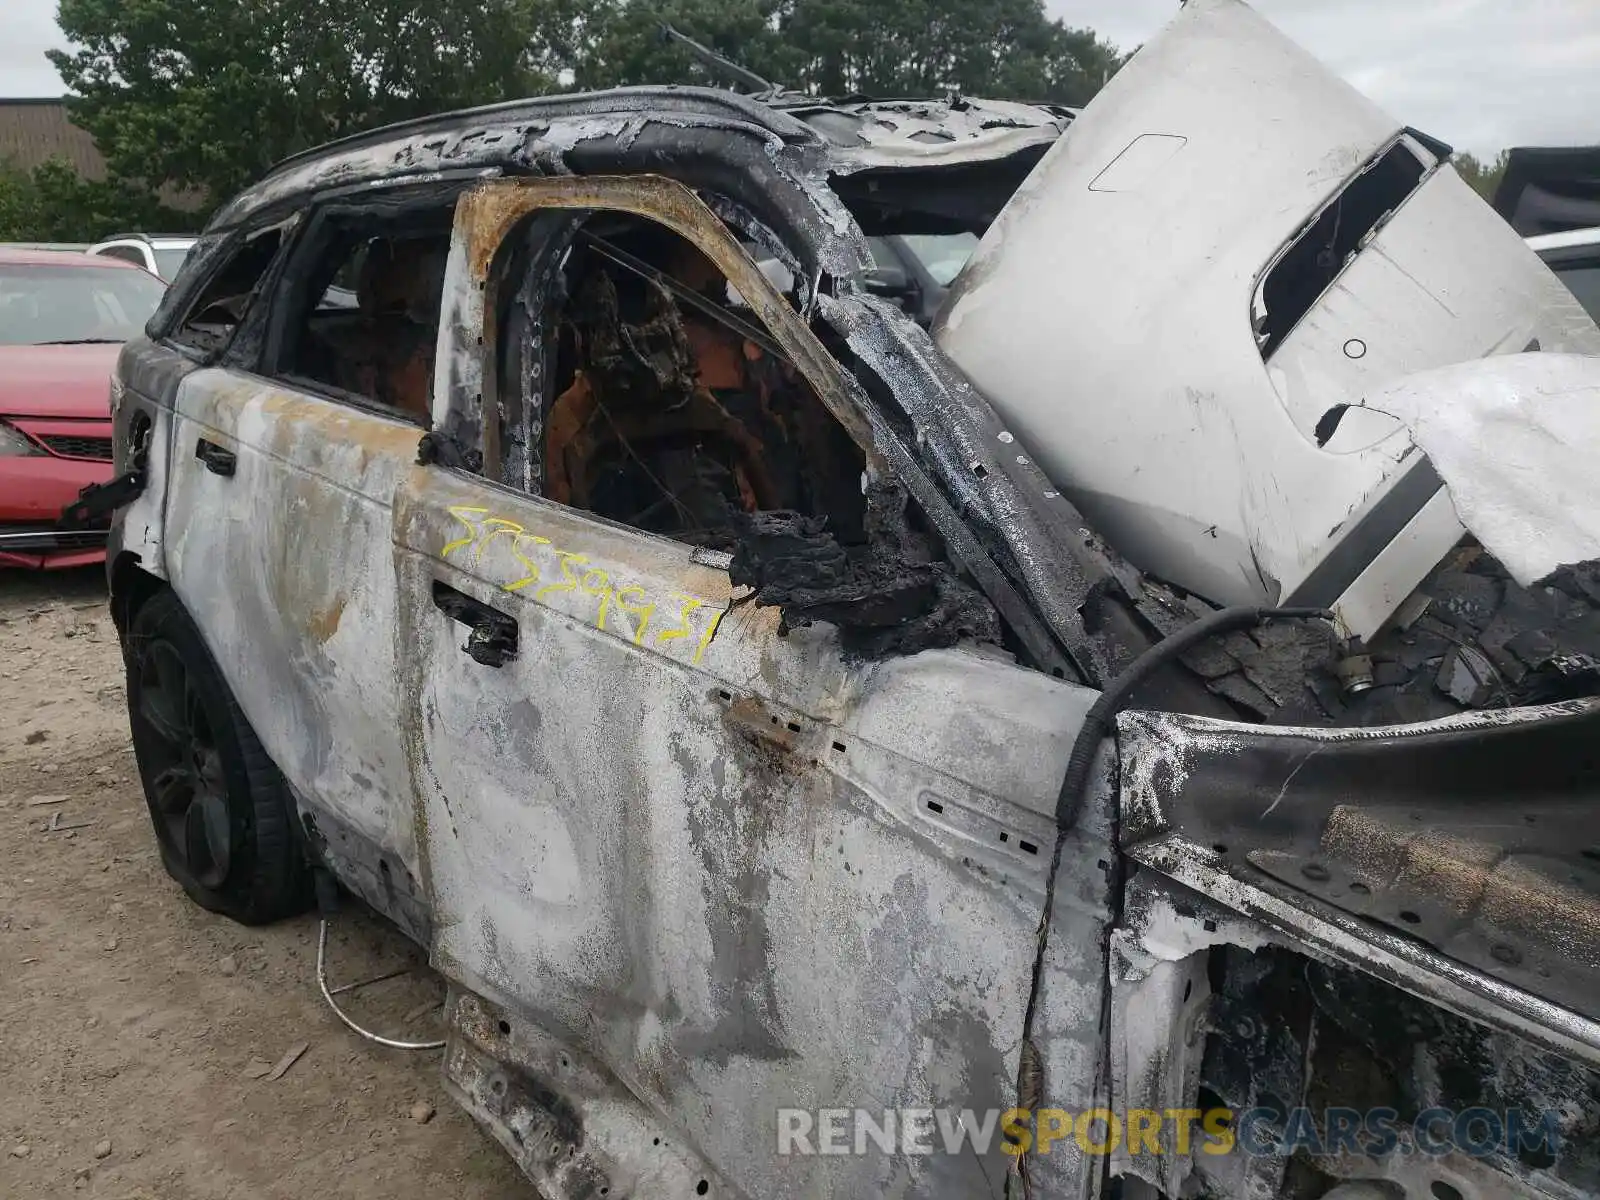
x: 35, y: 130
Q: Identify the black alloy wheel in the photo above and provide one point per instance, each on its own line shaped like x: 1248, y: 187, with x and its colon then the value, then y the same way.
x: 222, y: 814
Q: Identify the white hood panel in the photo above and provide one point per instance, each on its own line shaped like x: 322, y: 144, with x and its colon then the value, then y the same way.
x: 1108, y: 317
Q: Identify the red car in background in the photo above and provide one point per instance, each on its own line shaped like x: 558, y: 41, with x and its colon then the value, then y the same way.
x: 63, y: 319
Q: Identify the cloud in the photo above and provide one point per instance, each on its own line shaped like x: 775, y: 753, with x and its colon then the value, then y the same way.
x: 30, y: 29
x: 1481, y: 74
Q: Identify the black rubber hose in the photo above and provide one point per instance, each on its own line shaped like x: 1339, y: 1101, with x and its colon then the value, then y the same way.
x: 1098, y: 719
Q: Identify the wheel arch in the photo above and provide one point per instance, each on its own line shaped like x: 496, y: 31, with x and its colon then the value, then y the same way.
x: 132, y: 587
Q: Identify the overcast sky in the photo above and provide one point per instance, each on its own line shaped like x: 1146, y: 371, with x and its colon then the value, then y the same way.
x: 1481, y: 74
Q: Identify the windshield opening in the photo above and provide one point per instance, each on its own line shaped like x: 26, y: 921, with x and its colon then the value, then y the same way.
x: 41, y: 304
x: 923, y: 224
x: 942, y: 254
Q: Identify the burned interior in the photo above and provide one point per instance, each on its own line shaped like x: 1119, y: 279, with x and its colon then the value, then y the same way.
x: 373, y: 328
x: 642, y: 387
x: 672, y: 409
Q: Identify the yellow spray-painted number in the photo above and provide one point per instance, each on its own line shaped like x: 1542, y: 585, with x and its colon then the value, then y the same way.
x: 685, y: 612
x: 531, y: 568
x: 497, y: 527
x: 640, y: 609
x: 568, y: 581
x: 468, y: 516
x: 696, y: 618
x: 596, y: 583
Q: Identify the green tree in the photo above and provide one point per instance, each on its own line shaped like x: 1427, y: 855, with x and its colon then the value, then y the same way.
x: 623, y: 42
x: 886, y: 48
x: 1007, y: 48
x: 1484, y: 177
x: 207, y: 94
x: 52, y: 203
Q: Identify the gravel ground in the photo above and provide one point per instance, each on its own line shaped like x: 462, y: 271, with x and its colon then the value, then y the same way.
x: 134, y: 1026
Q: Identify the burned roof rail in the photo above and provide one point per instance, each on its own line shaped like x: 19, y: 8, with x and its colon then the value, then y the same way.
x: 499, y: 134
x: 690, y: 99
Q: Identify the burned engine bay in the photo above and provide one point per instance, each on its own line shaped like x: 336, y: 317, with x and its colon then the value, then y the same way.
x: 1337, y: 1084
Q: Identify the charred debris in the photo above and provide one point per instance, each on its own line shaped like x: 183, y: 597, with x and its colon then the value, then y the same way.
x: 673, y: 411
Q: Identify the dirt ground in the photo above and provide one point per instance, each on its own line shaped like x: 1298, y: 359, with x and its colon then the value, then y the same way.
x: 130, y: 1019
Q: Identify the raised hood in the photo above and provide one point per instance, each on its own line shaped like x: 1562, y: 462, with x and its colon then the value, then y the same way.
x: 57, y: 381
x: 1228, y: 247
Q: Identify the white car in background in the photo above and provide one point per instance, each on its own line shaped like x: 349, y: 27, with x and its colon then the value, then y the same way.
x: 160, y: 254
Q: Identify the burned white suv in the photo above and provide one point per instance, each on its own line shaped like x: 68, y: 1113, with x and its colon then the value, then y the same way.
x: 1075, y: 749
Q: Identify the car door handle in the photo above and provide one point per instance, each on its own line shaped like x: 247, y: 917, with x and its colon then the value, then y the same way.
x: 217, y: 460
x: 492, y: 634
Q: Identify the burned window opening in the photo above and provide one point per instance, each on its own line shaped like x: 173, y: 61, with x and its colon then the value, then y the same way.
x: 670, y: 409
x: 1320, y: 251
x: 220, y: 307
x: 665, y: 405
x: 365, y: 320
x: 922, y: 226
x: 960, y: 198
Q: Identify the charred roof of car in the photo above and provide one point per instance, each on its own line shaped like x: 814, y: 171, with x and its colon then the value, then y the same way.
x: 534, y: 135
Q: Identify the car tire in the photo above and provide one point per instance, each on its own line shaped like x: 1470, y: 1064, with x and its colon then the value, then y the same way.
x: 222, y: 813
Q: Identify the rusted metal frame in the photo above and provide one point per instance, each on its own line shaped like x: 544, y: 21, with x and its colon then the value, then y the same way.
x: 486, y: 215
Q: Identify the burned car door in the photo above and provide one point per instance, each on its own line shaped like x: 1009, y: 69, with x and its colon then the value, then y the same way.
x: 690, y: 868
x: 286, y: 462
